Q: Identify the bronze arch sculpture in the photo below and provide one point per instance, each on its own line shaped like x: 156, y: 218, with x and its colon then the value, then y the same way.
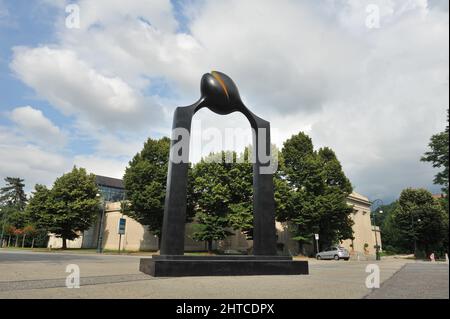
x: 219, y: 94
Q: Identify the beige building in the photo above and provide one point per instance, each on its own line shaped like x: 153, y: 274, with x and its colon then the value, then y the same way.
x: 137, y: 237
x: 364, y: 232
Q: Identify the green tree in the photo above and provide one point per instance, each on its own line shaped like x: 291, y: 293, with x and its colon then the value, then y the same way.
x: 145, y: 184
x: 438, y: 156
x: 317, y: 202
x: 11, y: 216
x: 240, y: 180
x: 13, y: 194
x: 69, y: 207
x: 335, y: 223
x: 385, y: 222
x: 419, y: 222
x: 283, y: 194
x: 12, y: 203
x: 40, y: 207
x: 211, y: 195
x: 210, y: 227
x: 39, y: 215
x: 222, y: 192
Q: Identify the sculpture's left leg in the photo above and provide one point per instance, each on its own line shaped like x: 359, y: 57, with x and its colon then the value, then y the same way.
x: 172, y: 241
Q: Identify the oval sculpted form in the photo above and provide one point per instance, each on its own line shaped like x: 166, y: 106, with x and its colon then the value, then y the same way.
x: 220, y: 93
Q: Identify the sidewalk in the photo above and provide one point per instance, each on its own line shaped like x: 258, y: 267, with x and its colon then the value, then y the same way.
x: 420, y: 280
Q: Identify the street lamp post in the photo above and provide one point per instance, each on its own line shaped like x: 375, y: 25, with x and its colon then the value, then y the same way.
x: 377, y: 247
x: 414, y: 233
x: 100, y: 231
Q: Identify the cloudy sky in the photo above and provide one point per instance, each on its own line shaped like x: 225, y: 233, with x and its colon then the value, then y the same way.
x: 367, y: 78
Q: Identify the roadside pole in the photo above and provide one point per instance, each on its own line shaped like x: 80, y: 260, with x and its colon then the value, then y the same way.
x: 121, y: 229
x: 120, y: 239
x: 316, y: 236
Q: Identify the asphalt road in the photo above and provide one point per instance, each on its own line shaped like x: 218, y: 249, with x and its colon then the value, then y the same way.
x: 43, y: 275
x: 423, y: 280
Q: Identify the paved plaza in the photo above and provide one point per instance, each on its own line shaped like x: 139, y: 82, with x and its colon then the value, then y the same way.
x: 43, y: 275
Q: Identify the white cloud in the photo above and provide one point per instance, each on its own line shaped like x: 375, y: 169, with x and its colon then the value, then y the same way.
x: 110, y: 12
x: 374, y: 95
x: 31, y: 162
x: 110, y: 145
x: 39, y: 165
x: 75, y: 88
x: 101, y: 165
x: 33, y: 124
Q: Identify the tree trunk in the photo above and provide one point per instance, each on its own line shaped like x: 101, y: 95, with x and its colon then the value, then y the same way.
x: 300, y: 248
x: 209, y: 246
x: 17, y: 241
x: 64, y: 244
x: 32, y: 243
x: 9, y: 241
x: 23, y: 240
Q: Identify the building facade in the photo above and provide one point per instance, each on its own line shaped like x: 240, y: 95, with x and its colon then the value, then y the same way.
x: 364, y: 231
x: 138, y: 238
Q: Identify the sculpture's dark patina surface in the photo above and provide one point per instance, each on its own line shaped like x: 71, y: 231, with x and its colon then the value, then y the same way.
x: 220, y: 95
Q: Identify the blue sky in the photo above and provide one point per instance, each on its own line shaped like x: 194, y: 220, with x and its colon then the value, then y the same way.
x: 90, y: 96
x: 28, y: 23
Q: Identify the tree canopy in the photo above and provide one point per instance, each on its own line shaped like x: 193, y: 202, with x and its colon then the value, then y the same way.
x: 418, y: 221
x: 12, y: 204
x: 68, y: 208
x: 316, y: 192
x: 222, y: 193
x: 438, y: 156
x: 145, y: 182
x: 13, y: 194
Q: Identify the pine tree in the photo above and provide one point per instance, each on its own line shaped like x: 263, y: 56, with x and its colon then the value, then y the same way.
x: 13, y: 194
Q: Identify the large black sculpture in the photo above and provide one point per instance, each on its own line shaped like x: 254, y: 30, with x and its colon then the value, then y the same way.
x: 220, y: 95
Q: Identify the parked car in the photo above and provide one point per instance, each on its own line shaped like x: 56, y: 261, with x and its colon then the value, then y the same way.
x: 335, y: 253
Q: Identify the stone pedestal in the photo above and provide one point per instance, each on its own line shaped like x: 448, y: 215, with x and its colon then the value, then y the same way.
x: 178, y: 265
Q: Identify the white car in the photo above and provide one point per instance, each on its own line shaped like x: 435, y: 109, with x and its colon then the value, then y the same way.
x: 335, y: 253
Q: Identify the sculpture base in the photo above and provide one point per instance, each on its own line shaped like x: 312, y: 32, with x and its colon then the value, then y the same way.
x: 179, y: 266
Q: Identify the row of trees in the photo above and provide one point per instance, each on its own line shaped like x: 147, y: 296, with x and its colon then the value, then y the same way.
x: 417, y: 222
x: 13, y: 202
x: 311, y: 192
x: 67, y: 209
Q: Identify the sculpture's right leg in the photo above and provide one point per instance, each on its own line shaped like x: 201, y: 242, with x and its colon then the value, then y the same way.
x: 264, y: 233
x: 172, y: 240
